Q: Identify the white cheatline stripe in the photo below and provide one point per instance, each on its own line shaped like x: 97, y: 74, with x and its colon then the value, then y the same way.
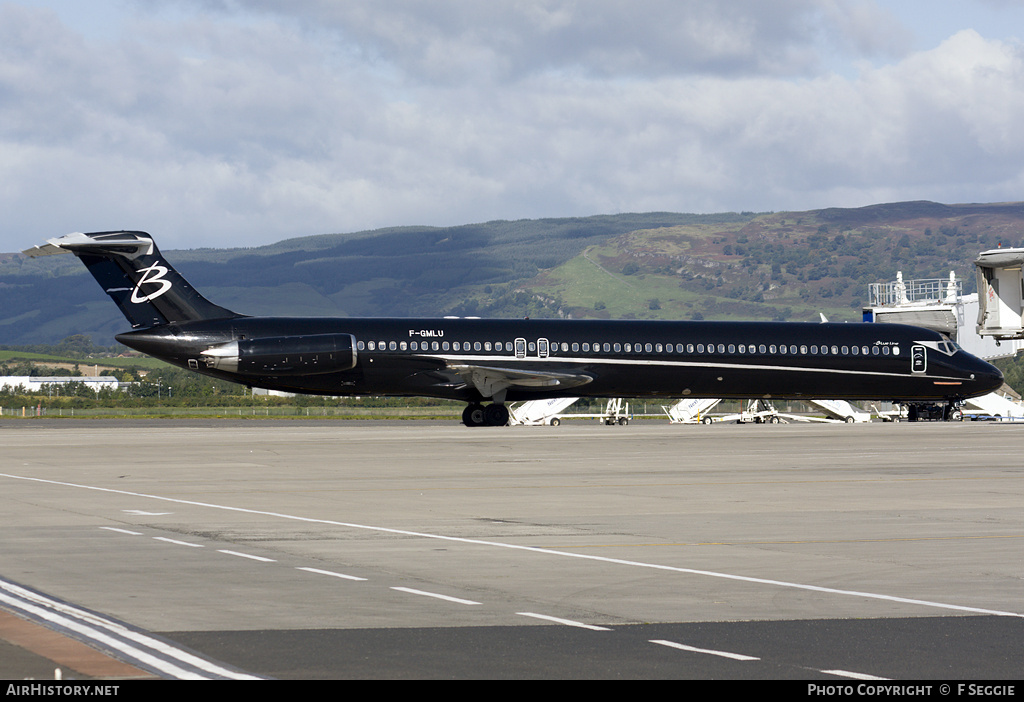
x: 483, y: 361
x: 855, y: 676
x: 567, y: 622
x: 457, y: 600
x: 710, y: 652
x: 133, y: 645
x: 536, y: 549
x: 331, y: 573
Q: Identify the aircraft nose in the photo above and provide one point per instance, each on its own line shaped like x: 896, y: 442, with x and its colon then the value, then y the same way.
x: 987, y: 378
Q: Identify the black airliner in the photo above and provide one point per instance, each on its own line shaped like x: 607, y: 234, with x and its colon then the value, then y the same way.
x: 504, y: 360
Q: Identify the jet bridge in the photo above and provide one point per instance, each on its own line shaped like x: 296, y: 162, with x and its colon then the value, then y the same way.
x: 1000, y: 293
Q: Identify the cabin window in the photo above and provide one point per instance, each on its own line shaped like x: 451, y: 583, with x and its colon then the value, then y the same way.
x: 607, y: 347
x: 864, y: 350
x: 700, y: 348
x: 689, y: 348
x: 372, y: 345
x: 874, y: 350
x: 477, y: 346
x: 402, y: 346
x: 721, y: 348
x: 835, y: 350
x: 803, y: 350
x: 456, y: 346
x: 814, y: 350
x: 762, y: 348
x: 648, y: 348
x: 360, y: 345
x: 846, y: 350
x: 575, y: 346
x: 782, y: 349
x: 628, y: 348
x: 732, y: 348
x: 617, y: 347
x: 532, y: 346
x: 487, y: 346
x: 854, y: 350
x: 445, y: 345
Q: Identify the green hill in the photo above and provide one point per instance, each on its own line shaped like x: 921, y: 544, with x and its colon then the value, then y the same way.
x: 788, y: 265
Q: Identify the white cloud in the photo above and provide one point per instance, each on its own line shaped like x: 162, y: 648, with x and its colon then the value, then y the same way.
x: 211, y: 125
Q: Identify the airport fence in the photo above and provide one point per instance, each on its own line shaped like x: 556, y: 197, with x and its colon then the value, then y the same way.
x: 280, y: 412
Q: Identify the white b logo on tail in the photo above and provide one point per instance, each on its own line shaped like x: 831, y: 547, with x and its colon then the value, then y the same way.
x: 153, y: 274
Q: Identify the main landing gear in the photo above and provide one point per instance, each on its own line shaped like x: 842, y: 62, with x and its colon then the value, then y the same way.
x: 493, y: 415
x: 950, y: 412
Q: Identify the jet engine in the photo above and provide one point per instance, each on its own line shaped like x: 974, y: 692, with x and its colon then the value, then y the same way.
x: 284, y: 355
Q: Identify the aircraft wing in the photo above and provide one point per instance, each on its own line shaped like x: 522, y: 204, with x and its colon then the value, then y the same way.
x: 491, y: 380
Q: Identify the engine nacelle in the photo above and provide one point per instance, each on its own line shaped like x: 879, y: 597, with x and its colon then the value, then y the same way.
x: 284, y: 355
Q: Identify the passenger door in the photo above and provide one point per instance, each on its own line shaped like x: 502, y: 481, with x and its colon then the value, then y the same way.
x: 918, y: 359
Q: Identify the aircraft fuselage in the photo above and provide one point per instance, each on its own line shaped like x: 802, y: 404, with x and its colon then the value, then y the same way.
x: 437, y: 357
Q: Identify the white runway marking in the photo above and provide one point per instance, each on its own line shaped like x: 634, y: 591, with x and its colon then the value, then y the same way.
x: 855, y: 676
x: 175, y: 541
x: 123, y: 531
x: 710, y: 652
x: 535, y: 549
x: 567, y: 622
x: 331, y: 573
x: 457, y: 600
x: 134, y: 646
x: 246, y: 555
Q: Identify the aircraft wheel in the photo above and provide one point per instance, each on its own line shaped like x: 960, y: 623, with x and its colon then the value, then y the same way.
x: 473, y: 416
x: 956, y: 416
x: 496, y: 415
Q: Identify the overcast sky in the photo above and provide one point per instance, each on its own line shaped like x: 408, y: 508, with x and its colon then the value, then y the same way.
x: 230, y: 123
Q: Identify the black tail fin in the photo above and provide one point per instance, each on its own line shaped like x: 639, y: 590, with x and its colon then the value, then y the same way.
x: 129, y: 267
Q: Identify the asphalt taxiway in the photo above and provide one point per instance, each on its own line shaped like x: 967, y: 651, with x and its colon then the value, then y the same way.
x: 309, y: 549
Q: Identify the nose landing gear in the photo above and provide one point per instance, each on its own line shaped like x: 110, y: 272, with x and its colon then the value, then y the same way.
x: 493, y: 415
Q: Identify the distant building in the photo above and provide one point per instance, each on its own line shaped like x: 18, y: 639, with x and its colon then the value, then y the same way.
x: 38, y: 383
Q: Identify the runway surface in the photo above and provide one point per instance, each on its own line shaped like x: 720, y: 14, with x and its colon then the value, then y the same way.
x: 429, y: 550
